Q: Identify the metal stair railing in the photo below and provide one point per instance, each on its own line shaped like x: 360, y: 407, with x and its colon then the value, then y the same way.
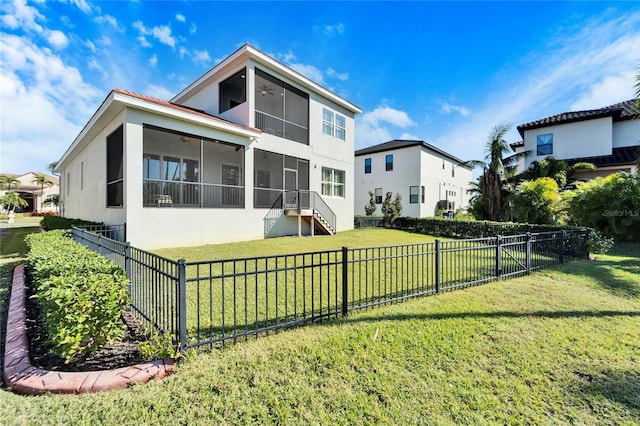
x: 273, y: 215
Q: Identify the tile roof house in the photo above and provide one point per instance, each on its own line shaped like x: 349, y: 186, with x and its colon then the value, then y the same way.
x: 608, y: 137
x: 35, y: 195
x: 428, y: 178
x: 251, y: 149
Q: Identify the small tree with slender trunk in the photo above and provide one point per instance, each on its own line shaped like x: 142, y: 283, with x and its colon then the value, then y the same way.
x: 370, y: 208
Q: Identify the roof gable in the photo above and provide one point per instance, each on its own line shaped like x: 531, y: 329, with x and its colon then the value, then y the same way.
x: 401, y: 144
x: 626, y: 110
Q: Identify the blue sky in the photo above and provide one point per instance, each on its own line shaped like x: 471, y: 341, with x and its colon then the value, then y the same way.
x: 443, y: 72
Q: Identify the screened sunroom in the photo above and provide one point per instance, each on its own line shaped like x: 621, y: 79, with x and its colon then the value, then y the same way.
x: 183, y: 170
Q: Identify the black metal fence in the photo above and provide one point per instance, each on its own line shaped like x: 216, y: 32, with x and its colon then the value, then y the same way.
x: 212, y: 302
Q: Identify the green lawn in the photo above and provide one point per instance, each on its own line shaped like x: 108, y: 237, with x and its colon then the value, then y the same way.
x: 561, y: 346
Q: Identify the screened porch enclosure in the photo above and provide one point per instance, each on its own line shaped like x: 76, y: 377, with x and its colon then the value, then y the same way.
x: 181, y: 170
x: 276, y: 173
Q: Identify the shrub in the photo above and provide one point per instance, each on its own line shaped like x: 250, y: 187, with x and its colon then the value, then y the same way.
x: 598, y: 243
x: 82, y: 295
x: 57, y: 222
x: 610, y: 205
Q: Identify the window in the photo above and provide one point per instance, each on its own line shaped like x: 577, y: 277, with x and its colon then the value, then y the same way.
x: 82, y: 176
x: 281, y: 109
x: 388, y: 161
x: 453, y: 170
x: 367, y: 165
x: 378, y: 195
x: 422, y: 200
x: 115, y: 180
x: 333, y: 124
x: 332, y: 182
x: 413, y: 194
x: 545, y: 144
x: 233, y: 91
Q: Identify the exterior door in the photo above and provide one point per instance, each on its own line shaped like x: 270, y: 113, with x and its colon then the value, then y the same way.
x: 290, y: 185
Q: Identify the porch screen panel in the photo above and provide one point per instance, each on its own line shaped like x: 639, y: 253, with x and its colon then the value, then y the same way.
x: 115, y: 168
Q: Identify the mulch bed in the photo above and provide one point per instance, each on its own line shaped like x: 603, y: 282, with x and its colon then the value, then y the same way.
x: 115, y: 355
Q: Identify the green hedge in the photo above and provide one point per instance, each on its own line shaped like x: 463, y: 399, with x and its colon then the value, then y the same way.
x: 57, y: 222
x: 452, y: 228
x: 81, y: 294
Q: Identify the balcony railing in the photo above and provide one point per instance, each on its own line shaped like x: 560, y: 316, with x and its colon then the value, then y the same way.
x: 163, y: 193
x: 283, y: 128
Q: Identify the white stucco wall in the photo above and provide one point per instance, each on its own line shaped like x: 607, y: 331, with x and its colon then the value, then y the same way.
x: 587, y: 138
x: 83, y: 180
x: 412, y: 166
x: 626, y: 133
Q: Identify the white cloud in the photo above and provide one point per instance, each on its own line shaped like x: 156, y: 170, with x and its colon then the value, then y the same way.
x: 34, y: 81
x: 82, y: 5
x: 163, y: 34
x: 448, y: 108
x: 340, y: 76
x: 153, y: 61
x: 159, y: 92
x: 584, y: 67
x: 193, y: 29
x: 609, y: 90
x: 57, y: 39
x: 201, y: 56
x: 109, y: 20
x: 309, y: 71
x: 374, y: 127
x: 19, y: 15
x: 336, y: 29
x: 180, y: 18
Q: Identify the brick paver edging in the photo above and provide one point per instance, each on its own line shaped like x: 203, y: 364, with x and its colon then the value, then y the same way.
x: 24, y: 378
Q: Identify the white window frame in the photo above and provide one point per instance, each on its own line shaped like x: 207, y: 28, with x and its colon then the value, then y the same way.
x: 332, y: 184
x: 334, y: 124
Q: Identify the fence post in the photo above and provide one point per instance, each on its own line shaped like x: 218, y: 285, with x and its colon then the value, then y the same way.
x: 438, y: 266
x: 528, y: 254
x: 182, y: 303
x: 345, y: 283
x: 498, y: 256
x: 561, y: 247
x: 127, y: 263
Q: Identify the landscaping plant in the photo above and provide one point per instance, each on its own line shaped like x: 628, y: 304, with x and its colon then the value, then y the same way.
x: 81, y: 294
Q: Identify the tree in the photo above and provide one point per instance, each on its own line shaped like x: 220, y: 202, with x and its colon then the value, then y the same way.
x: 495, y: 166
x: 7, y: 181
x: 610, y: 205
x: 53, y: 199
x: 370, y: 208
x: 42, y: 181
x: 51, y: 166
x: 558, y: 170
x: 391, y: 209
x: 537, y: 201
x: 12, y: 199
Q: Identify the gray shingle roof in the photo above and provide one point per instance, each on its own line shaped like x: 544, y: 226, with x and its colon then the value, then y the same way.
x: 626, y: 110
x: 400, y: 144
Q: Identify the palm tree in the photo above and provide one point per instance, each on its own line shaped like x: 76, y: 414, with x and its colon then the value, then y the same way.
x: 51, y: 167
x: 558, y: 170
x: 42, y: 181
x: 495, y: 165
x: 7, y: 180
x: 12, y: 199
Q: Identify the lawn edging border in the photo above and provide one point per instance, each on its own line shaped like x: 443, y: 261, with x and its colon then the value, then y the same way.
x: 24, y: 378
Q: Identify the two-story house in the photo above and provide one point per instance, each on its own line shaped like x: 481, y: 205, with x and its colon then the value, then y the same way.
x: 608, y: 137
x: 251, y: 149
x: 428, y: 179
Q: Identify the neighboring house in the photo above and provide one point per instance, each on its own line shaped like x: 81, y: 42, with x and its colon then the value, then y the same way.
x: 608, y: 137
x: 214, y: 163
x: 428, y: 179
x: 32, y: 193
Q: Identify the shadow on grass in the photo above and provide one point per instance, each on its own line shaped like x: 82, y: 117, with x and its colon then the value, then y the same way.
x: 621, y: 387
x: 604, y: 272
x: 498, y: 314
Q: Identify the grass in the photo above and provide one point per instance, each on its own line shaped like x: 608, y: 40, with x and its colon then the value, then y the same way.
x: 558, y: 347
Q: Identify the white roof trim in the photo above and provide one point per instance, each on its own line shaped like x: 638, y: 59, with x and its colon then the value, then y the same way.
x: 262, y: 58
x: 128, y: 101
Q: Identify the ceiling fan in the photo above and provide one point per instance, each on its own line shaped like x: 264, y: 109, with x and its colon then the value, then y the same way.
x: 265, y: 90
